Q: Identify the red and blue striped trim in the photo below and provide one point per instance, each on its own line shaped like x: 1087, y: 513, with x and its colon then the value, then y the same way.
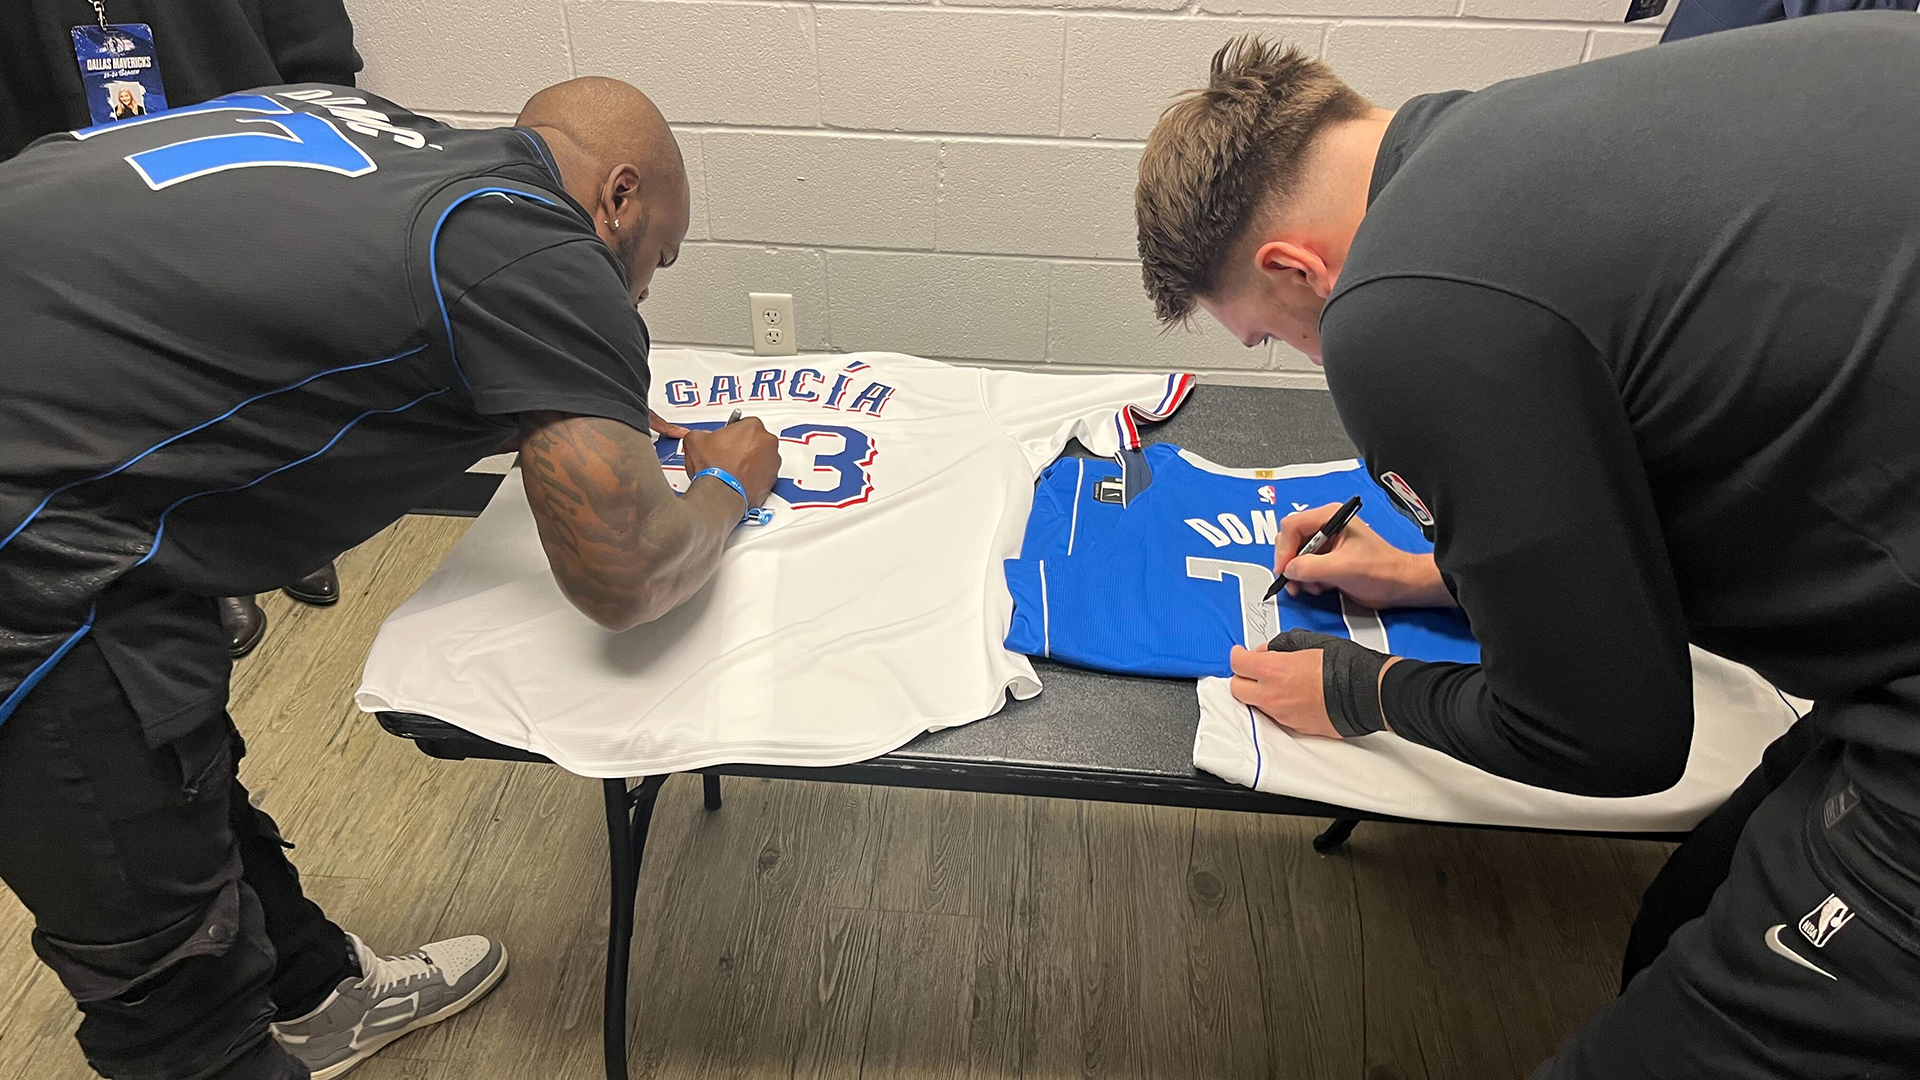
x: 1179, y: 385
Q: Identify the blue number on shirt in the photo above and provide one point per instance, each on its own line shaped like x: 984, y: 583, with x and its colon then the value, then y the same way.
x: 838, y: 475
x: 303, y: 141
x: 833, y: 476
x: 671, y: 455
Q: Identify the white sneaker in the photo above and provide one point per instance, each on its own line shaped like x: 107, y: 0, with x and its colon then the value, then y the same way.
x: 394, y: 995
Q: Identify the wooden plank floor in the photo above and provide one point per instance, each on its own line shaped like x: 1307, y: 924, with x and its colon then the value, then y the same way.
x: 811, y: 930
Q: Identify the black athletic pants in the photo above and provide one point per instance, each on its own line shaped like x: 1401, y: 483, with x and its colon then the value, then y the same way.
x: 163, y: 899
x: 1794, y: 921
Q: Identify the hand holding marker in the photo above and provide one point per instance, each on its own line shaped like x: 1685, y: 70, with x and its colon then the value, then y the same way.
x: 757, y: 515
x: 1318, y: 541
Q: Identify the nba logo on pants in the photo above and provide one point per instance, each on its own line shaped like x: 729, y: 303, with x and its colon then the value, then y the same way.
x: 1826, y: 920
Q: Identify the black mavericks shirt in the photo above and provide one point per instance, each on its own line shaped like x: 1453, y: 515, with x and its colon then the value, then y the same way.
x: 240, y: 337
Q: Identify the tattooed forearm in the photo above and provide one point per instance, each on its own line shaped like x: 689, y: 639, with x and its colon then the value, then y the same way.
x: 623, y: 548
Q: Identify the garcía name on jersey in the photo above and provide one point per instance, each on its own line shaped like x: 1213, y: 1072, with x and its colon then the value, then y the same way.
x: 806, y: 384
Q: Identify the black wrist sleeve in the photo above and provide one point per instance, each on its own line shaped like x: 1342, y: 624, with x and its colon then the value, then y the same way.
x: 1350, y: 677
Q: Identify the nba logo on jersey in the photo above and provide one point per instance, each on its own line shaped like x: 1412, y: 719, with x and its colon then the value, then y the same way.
x: 1825, y: 921
x: 1266, y: 494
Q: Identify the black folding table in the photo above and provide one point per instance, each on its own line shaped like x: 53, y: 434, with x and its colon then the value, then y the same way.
x: 1087, y: 736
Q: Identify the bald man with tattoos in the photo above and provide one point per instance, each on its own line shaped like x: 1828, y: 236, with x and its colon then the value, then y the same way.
x: 192, y: 414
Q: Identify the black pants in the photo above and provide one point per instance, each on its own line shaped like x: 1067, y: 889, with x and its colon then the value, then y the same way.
x: 1723, y: 982
x: 1681, y: 891
x: 163, y: 899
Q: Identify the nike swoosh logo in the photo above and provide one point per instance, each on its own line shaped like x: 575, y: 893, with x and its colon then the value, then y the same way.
x: 1774, y: 943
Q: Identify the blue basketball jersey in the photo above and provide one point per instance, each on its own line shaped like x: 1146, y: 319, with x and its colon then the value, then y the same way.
x: 1166, y: 579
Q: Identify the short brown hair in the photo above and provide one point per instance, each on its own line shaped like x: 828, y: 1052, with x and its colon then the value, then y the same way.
x: 1220, y: 153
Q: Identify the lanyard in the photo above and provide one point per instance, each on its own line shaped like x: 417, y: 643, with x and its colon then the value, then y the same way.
x: 118, y: 67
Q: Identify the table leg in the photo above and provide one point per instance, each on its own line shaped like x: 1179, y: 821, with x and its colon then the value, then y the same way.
x: 619, y: 927
x: 629, y: 815
x: 710, y: 783
x: 643, y: 797
x: 1335, y: 835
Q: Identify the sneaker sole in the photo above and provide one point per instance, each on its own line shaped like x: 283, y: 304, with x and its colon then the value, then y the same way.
x: 486, y: 986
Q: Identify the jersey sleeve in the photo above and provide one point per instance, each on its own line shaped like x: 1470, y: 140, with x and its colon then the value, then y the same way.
x: 539, y: 316
x: 1495, y: 421
x: 1043, y: 412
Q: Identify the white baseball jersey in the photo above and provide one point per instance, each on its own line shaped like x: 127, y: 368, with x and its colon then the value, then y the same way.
x: 1736, y: 714
x: 871, y: 609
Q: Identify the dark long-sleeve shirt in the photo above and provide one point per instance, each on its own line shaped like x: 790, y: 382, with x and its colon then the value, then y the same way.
x: 205, y: 48
x: 1693, y: 18
x: 1642, y: 338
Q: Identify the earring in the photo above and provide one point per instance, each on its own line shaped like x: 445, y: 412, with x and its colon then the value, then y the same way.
x: 616, y: 223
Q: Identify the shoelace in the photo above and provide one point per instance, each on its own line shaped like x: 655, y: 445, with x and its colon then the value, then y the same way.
x: 393, y: 971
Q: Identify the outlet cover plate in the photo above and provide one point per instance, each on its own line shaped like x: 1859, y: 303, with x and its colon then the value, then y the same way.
x: 770, y: 318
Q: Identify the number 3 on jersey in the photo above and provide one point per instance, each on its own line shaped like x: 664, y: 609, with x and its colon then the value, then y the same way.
x: 838, y: 474
x: 829, y: 469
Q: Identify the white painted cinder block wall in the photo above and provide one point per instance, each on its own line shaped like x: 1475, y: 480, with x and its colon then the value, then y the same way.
x: 947, y: 179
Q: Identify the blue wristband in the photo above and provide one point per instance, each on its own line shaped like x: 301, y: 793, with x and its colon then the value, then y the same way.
x: 726, y: 478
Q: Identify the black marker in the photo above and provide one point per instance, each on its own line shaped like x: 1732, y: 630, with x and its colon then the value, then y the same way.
x: 1318, y: 541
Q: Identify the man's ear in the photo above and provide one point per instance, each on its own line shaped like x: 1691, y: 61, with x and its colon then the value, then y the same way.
x: 620, y: 193
x: 1284, y: 258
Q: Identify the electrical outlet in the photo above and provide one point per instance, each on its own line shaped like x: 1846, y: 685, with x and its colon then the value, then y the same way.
x: 770, y: 321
